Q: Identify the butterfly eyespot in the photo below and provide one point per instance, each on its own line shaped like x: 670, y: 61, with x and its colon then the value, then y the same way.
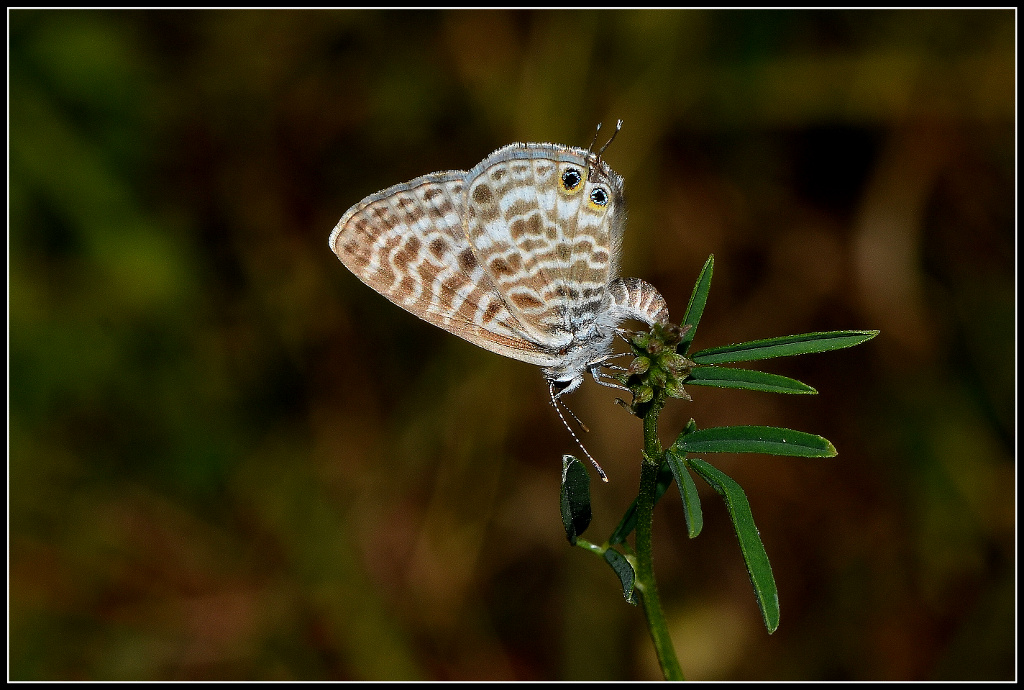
x: 598, y: 196
x: 571, y: 179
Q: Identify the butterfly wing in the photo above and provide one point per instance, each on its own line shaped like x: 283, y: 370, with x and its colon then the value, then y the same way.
x: 547, y: 247
x: 409, y: 244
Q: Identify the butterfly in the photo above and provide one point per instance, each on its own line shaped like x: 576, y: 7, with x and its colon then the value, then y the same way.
x: 518, y: 255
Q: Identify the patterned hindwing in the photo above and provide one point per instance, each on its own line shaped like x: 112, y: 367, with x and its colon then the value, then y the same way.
x: 633, y: 298
x: 408, y: 243
x: 545, y: 221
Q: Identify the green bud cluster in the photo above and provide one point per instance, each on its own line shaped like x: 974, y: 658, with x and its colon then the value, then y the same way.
x: 657, y: 367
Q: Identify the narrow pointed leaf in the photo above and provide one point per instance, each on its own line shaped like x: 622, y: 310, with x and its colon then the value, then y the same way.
x: 575, y: 502
x: 695, y: 309
x: 758, y: 567
x: 771, y: 440
x: 628, y: 521
x: 624, y: 570
x: 688, y: 491
x: 748, y: 379
x: 785, y: 346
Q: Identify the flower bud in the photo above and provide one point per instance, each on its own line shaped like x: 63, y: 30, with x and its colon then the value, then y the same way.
x: 674, y: 389
x: 639, y: 366
x: 642, y: 394
x: 677, y: 365
x: 658, y: 377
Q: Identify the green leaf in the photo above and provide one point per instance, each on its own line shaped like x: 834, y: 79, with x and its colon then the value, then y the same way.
x: 624, y: 570
x: 758, y: 567
x: 749, y: 379
x: 695, y: 309
x: 628, y: 521
x: 688, y: 491
x: 575, y: 501
x: 771, y: 440
x: 782, y: 347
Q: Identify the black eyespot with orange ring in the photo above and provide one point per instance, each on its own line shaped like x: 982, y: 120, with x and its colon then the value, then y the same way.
x: 571, y: 179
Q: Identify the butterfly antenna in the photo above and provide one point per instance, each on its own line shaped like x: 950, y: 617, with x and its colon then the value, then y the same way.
x: 578, y: 420
x: 554, y: 403
x: 594, y: 140
x: 618, y: 126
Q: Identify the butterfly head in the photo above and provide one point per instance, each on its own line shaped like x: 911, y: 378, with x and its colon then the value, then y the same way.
x: 566, y: 385
x: 586, y: 352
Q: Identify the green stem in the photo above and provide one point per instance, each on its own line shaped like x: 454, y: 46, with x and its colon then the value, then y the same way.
x: 645, y: 582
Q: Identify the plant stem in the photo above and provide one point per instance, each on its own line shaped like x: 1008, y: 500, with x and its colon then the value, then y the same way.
x: 645, y: 582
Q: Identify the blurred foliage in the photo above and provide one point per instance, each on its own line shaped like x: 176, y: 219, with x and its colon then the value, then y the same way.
x: 229, y: 459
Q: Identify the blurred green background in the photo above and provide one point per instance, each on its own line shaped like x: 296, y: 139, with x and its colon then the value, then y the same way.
x: 229, y: 459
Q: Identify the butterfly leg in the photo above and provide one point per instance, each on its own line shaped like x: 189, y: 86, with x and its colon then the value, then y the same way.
x: 596, y: 372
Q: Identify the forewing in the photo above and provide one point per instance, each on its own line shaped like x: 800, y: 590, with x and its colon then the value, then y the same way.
x: 408, y: 243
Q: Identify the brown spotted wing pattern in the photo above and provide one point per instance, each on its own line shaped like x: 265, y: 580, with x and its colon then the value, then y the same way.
x: 518, y: 255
